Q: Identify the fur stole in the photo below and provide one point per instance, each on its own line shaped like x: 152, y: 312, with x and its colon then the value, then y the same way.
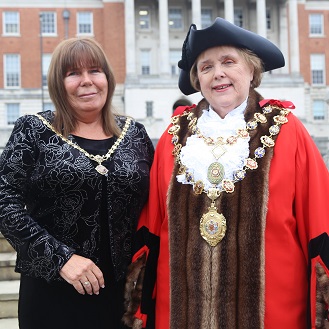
x: 222, y: 286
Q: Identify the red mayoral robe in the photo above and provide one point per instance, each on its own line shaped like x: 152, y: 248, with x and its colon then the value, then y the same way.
x: 271, y: 268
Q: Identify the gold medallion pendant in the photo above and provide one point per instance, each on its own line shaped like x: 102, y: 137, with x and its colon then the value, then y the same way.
x: 101, y: 169
x: 215, y: 173
x: 213, y: 226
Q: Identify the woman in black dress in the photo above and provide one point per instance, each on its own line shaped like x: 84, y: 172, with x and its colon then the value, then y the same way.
x: 73, y: 183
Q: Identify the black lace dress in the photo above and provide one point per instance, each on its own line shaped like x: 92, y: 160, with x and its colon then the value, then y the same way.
x: 58, y: 305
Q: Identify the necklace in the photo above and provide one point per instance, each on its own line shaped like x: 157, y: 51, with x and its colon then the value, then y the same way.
x: 212, y: 224
x: 216, y: 172
x: 97, y: 158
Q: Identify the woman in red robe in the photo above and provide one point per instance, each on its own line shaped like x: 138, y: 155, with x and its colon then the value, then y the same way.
x: 235, y: 233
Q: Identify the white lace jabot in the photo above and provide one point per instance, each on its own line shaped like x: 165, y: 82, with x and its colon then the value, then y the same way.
x: 196, y: 155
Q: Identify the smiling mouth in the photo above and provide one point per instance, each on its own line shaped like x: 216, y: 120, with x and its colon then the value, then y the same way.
x: 222, y: 87
x: 87, y: 95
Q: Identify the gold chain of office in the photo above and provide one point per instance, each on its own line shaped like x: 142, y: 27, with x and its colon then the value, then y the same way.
x: 213, y: 224
x: 97, y: 158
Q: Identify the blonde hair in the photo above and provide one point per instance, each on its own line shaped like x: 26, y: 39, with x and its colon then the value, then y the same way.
x: 250, y: 58
x: 76, y: 53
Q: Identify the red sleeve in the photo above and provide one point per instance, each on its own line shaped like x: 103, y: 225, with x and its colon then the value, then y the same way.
x: 312, y: 212
x: 297, y: 224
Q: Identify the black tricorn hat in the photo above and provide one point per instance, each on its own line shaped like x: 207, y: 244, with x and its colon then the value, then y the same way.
x: 224, y: 33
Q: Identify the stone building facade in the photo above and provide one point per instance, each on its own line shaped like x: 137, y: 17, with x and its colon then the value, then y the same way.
x: 143, y: 40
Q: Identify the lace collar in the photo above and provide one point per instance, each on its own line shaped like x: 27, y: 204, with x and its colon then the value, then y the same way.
x: 197, y: 156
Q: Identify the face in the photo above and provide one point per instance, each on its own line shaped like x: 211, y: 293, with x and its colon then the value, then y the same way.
x: 86, y: 89
x: 224, y: 78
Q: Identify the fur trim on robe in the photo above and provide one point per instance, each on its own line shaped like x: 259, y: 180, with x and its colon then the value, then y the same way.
x: 133, y: 292
x: 322, y: 296
x: 222, y: 286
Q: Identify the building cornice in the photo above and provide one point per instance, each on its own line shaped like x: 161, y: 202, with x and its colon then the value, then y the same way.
x: 53, y: 4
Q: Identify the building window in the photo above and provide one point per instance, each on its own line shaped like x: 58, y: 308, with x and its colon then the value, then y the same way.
x: 206, y: 18
x: 48, y: 106
x: 318, y: 69
x: 45, y: 66
x: 149, y: 109
x: 48, y: 23
x: 144, y: 18
x: 175, y: 18
x: 322, y: 144
x: 145, y: 61
x: 174, y: 57
x: 11, y: 23
x: 319, y: 109
x: 238, y: 17
x: 12, y: 110
x: 12, y: 70
x: 85, y: 23
x: 316, y: 24
x: 268, y: 19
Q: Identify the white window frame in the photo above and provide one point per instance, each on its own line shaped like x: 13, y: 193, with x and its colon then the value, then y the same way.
x: 318, y: 66
x: 319, y: 109
x: 149, y: 109
x: 174, y: 57
x: 316, y: 24
x: 268, y: 19
x: 144, y: 18
x: 238, y: 17
x: 7, y: 71
x: 12, y: 117
x: 175, y: 17
x: 80, y: 22
x: 7, y: 21
x: 145, y: 60
x: 206, y: 17
x: 48, y: 26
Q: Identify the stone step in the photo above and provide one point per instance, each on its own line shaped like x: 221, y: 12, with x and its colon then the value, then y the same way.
x: 9, y: 299
x: 4, y: 245
x: 7, y: 266
x: 11, y: 323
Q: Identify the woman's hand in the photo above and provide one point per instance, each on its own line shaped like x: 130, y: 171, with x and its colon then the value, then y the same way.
x: 83, y: 274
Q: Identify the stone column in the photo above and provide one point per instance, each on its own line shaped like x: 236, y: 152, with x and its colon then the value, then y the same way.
x: 130, y: 37
x: 261, y: 17
x: 293, y: 37
x: 283, y: 36
x: 196, y: 13
x: 164, y: 67
x: 229, y: 10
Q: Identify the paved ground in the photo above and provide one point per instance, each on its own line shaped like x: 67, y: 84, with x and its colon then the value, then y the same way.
x: 9, y: 287
x: 8, y: 324
x: 13, y: 324
x: 9, y: 290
